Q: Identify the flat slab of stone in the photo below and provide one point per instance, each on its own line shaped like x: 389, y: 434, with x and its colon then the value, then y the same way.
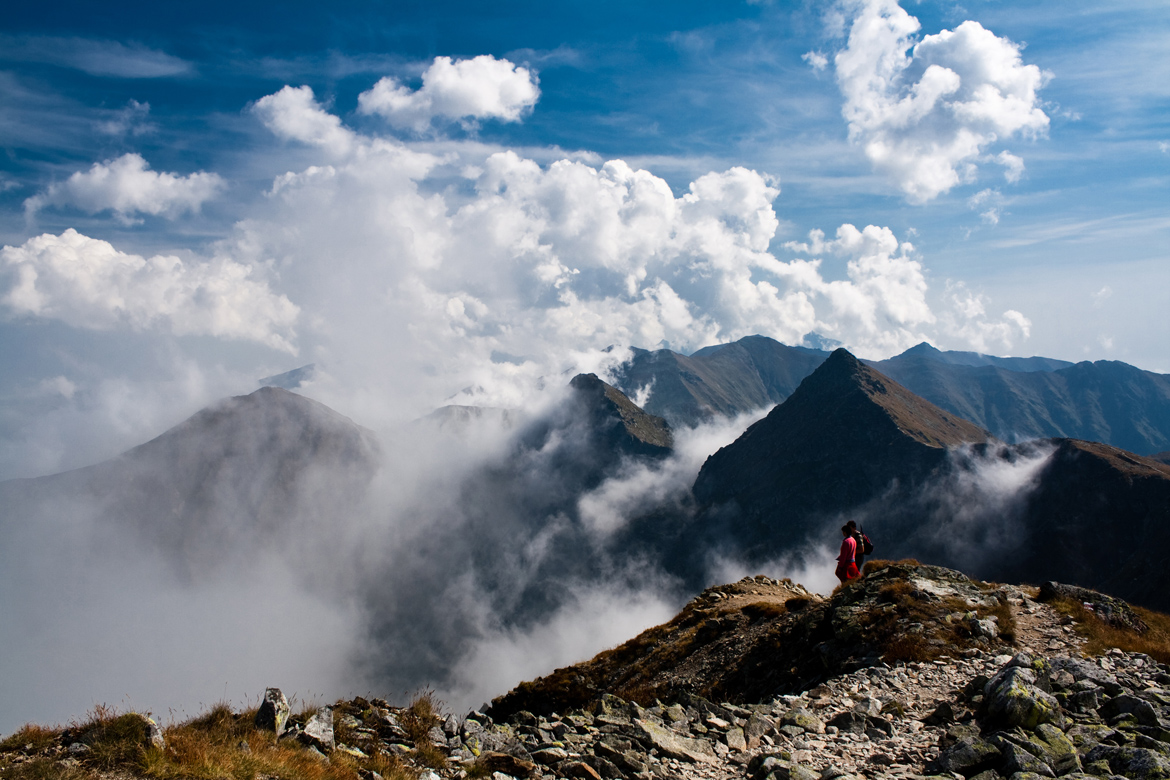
x: 676, y: 746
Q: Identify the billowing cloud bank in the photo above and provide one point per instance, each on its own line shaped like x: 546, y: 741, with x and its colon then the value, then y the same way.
x: 88, y: 283
x: 927, y: 111
x: 471, y: 254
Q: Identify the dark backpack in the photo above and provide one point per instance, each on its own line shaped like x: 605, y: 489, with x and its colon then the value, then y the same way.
x: 864, y: 547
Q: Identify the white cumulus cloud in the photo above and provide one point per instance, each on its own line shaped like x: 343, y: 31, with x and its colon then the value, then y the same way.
x: 88, y: 283
x: 127, y: 187
x: 293, y: 113
x: 881, y: 306
x: 482, y: 87
x: 926, y: 111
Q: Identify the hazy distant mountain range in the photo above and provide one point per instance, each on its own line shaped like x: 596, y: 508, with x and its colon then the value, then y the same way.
x: 238, y: 475
x: 1014, y: 398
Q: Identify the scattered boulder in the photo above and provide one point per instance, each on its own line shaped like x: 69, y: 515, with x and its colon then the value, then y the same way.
x: 506, y: 764
x: 1016, y: 695
x: 671, y: 744
x: 273, y: 712
x: 318, y: 731
x: 1112, y: 610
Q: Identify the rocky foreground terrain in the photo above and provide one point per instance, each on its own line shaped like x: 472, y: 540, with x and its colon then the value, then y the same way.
x: 911, y: 671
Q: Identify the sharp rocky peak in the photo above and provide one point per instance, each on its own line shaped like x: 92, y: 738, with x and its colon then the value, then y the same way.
x: 609, y: 406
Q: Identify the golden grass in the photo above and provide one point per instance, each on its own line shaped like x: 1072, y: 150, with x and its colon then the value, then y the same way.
x: 417, y: 721
x: 31, y: 738
x: 42, y: 769
x: 1101, y: 636
x: 764, y: 610
x: 1005, y: 619
x: 217, y: 745
x: 886, y: 628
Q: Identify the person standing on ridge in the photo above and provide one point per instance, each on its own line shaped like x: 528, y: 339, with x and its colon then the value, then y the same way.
x: 846, y: 562
x: 864, y: 547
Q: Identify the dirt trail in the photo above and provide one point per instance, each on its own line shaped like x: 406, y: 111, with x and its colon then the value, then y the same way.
x: 1041, y: 630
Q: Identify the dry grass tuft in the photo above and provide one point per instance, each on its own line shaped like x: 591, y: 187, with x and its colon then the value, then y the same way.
x: 478, y: 770
x: 912, y: 628
x: 420, y: 717
x: 1004, y: 619
x: 31, y: 739
x: 1101, y: 636
x: 217, y: 745
x: 114, y: 740
x: 764, y: 610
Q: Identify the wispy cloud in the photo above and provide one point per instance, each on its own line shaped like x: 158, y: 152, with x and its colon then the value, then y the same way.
x: 95, y: 57
x: 1080, y: 230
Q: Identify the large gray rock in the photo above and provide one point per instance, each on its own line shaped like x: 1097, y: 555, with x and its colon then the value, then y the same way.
x: 786, y: 770
x: 1016, y: 695
x: 804, y: 719
x: 1016, y: 759
x: 507, y: 764
x: 1142, y: 711
x: 273, y: 712
x: 1132, y: 762
x: 1056, y: 749
x: 851, y: 722
x: 757, y: 726
x: 319, y: 730
x: 550, y: 755
x: 675, y: 746
x: 968, y: 757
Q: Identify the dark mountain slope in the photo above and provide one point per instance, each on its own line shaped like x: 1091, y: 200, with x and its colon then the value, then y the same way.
x: 722, y: 380
x: 843, y: 438
x: 617, y: 421
x: 853, y: 444
x: 979, y: 359
x: 1100, y: 518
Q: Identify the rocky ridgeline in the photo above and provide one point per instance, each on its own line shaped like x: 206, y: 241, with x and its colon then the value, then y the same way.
x: 1000, y: 691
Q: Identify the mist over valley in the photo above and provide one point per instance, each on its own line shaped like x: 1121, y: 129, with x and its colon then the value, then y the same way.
x: 475, y: 547
x: 428, y: 354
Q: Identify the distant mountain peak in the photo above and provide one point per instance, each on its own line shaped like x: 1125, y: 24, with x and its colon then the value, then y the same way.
x: 607, y: 402
x: 291, y: 380
x: 842, y: 376
x: 846, y: 434
x: 815, y: 340
x: 923, y: 348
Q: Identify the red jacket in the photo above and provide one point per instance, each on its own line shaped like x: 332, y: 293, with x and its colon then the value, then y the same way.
x: 848, y: 550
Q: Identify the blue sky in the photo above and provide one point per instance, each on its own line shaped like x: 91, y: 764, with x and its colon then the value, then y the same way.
x: 990, y: 176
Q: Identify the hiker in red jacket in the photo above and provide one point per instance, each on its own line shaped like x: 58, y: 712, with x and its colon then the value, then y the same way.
x: 864, y: 547
x: 846, y: 561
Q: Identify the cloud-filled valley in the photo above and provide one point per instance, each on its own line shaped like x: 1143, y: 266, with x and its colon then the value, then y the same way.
x: 449, y: 232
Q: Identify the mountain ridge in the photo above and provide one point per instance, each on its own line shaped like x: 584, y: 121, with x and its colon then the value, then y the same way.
x: 1014, y: 398
x: 853, y: 444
